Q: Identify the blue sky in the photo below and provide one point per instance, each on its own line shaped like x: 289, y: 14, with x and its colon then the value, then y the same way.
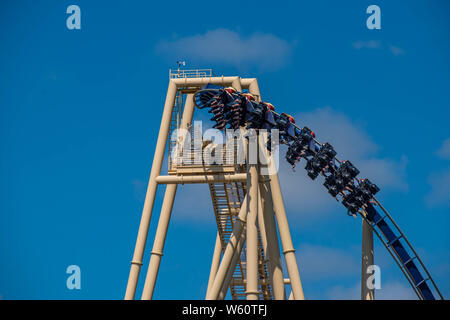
x: 80, y: 111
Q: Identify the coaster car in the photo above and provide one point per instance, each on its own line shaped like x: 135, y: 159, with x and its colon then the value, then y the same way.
x: 321, y: 160
x: 342, y: 178
x: 360, y: 196
x: 301, y: 146
x: 235, y: 109
x: 284, y: 123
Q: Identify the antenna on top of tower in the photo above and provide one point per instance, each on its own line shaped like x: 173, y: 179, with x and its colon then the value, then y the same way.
x: 181, y: 63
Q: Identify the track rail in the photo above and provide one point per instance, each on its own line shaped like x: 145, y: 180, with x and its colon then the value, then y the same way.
x: 402, y: 251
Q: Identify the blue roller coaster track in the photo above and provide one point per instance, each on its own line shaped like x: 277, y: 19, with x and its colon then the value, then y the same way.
x: 232, y: 110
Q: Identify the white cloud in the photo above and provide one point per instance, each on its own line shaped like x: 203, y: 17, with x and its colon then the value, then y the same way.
x: 371, y: 44
x: 320, y: 262
x: 344, y: 293
x: 139, y: 189
x: 322, y: 265
x: 440, y: 181
x: 306, y: 197
x: 349, y: 139
x: 440, y: 186
x: 395, y: 290
x: 351, y: 142
x: 396, y: 51
x: 444, y: 150
x: 193, y: 202
x: 303, y: 197
x: 263, y: 50
x: 387, y: 172
x: 390, y: 291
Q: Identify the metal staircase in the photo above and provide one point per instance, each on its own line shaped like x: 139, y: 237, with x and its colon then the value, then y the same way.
x: 227, y: 200
x: 174, y: 125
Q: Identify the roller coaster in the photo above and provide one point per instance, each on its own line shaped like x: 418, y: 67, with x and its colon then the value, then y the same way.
x: 231, y: 109
x: 248, y: 204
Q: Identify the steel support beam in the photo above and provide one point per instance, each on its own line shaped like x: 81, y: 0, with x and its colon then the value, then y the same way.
x: 280, y: 212
x: 273, y: 249
x: 158, y: 157
x: 158, y: 245
x: 252, y: 232
x: 211, y: 178
x: 215, y: 262
x: 367, y: 260
x: 166, y: 212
